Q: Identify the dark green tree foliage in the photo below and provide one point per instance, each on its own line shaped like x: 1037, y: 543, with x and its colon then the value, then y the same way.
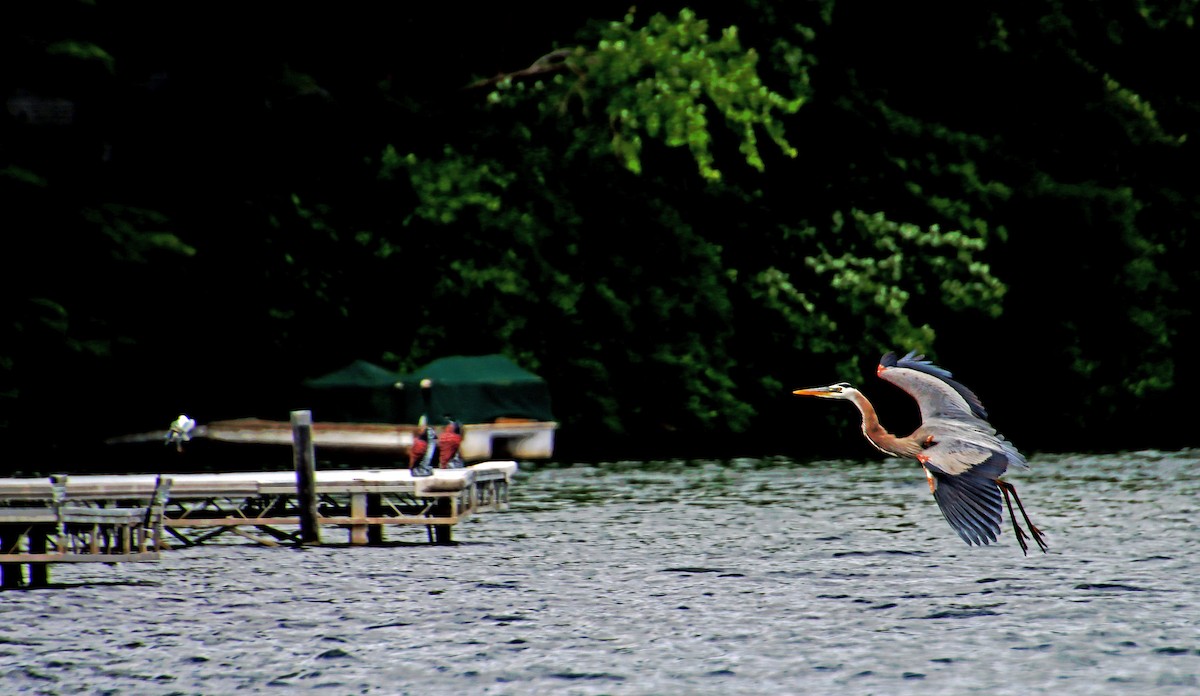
x: 675, y: 215
x: 676, y: 288
x: 625, y: 289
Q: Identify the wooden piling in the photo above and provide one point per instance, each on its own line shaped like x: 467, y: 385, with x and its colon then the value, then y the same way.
x: 358, y: 511
x: 39, y: 573
x: 10, y: 573
x: 304, y: 456
x: 375, y: 509
x: 442, y: 533
x: 58, y: 493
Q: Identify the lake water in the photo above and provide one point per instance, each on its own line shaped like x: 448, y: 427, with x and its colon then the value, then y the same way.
x: 742, y: 577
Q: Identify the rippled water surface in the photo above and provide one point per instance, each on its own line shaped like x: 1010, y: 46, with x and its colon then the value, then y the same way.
x: 742, y: 577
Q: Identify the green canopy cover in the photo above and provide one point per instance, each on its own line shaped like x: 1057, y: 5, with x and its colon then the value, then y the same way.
x: 476, y: 389
x: 469, y: 389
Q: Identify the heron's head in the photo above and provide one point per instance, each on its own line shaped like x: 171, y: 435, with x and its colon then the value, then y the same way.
x: 841, y: 390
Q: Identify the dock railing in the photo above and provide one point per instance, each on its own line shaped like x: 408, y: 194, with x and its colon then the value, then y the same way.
x: 65, y: 531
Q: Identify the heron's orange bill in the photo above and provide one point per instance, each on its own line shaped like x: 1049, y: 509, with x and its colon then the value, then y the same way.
x: 812, y: 391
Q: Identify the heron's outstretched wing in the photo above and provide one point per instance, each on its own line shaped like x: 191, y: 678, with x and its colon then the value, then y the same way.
x: 949, y: 410
x: 963, y: 479
x: 936, y: 393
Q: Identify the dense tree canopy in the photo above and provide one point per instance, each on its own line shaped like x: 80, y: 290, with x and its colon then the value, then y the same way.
x: 675, y: 213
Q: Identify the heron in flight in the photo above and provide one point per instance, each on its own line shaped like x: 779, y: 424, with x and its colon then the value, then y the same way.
x: 961, y: 453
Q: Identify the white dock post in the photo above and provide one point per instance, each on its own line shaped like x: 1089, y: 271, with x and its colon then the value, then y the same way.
x: 305, y: 457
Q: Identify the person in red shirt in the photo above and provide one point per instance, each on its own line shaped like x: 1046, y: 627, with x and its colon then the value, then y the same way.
x: 448, y: 443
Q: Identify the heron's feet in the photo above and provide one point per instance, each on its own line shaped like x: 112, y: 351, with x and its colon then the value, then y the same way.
x: 1006, y: 488
x: 1037, y: 536
x: 1022, y: 537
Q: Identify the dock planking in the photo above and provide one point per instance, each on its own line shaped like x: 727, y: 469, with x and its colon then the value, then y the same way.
x: 59, y: 530
x: 200, y: 504
x: 111, y: 514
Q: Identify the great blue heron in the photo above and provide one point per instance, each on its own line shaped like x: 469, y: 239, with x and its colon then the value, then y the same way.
x: 961, y: 453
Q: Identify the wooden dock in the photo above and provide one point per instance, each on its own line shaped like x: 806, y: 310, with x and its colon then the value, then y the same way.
x: 260, y: 506
x: 108, y: 515
x: 356, y: 499
x: 59, y: 530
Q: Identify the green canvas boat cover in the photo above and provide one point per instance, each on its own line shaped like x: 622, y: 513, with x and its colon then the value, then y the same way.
x: 361, y: 392
x: 476, y: 389
x: 469, y: 389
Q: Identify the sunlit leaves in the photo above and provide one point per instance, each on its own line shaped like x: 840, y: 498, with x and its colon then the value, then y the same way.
x: 661, y: 79
x: 448, y: 186
x: 134, y: 233
x: 83, y: 51
x: 882, y: 264
x: 809, y: 326
x: 669, y: 80
x: 1137, y: 115
x: 1160, y: 15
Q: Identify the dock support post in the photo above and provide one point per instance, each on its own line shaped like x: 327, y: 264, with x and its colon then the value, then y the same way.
x: 58, y: 492
x: 305, y: 457
x: 442, y: 533
x: 375, y: 509
x: 39, y: 573
x: 10, y: 573
x: 358, y: 510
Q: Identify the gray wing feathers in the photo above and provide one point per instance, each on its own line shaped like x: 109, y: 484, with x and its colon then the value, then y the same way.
x: 934, y: 396
x: 949, y: 411
x: 962, y: 445
x: 970, y: 500
x: 957, y: 455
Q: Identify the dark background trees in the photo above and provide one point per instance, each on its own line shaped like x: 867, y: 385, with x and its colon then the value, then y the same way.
x: 673, y: 221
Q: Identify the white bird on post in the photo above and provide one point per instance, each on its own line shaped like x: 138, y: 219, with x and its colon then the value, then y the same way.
x: 180, y: 432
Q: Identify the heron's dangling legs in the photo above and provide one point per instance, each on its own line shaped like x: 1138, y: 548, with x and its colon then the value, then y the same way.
x: 1017, y: 531
x: 1006, y: 488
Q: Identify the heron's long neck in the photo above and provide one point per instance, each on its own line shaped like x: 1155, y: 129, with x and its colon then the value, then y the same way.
x: 878, y: 436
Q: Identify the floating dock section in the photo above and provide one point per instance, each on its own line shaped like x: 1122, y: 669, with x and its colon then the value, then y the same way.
x: 261, y: 506
x: 354, y: 499
x: 41, y: 529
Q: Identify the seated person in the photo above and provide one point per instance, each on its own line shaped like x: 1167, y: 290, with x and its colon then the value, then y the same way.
x: 448, y: 443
